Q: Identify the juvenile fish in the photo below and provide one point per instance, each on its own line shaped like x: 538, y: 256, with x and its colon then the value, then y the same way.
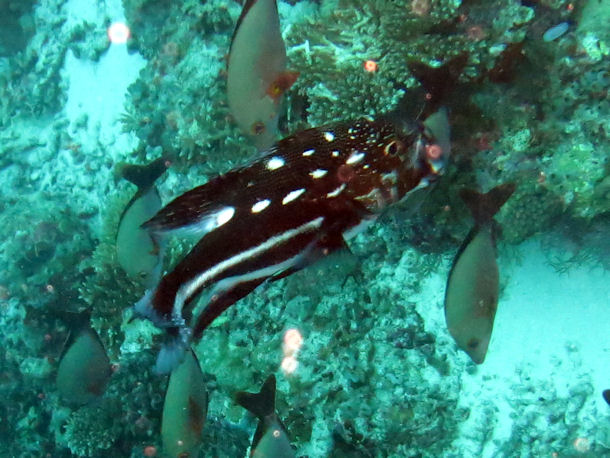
x: 471, y: 295
x: 138, y: 252
x: 256, y: 74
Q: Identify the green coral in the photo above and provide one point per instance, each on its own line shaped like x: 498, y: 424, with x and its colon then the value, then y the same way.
x: 532, y: 209
x: 93, y: 429
x: 330, y: 49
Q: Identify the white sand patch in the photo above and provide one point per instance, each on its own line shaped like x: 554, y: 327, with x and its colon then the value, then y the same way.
x: 551, y: 335
x: 97, y: 91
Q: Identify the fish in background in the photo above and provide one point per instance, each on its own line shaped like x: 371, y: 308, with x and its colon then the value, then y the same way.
x: 184, y: 409
x: 471, y: 295
x: 84, y: 369
x: 256, y: 74
x: 294, y: 205
x: 606, y: 396
x: 270, y: 439
x: 140, y: 253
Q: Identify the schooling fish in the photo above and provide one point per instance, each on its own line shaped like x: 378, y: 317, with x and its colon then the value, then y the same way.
x: 279, y: 214
x: 139, y: 252
x: 184, y: 409
x: 471, y: 295
x: 256, y: 73
x: 84, y: 369
x: 270, y: 439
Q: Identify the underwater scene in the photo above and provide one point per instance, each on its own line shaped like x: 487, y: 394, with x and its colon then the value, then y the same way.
x: 305, y: 228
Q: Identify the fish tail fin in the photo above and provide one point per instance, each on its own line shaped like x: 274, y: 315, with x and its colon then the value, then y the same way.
x: 173, y: 351
x: 143, y: 176
x: 261, y: 404
x: 177, y: 334
x: 483, y: 206
x: 438, y: 82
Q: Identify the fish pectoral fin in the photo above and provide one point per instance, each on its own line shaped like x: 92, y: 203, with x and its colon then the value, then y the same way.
x: 320, y: 248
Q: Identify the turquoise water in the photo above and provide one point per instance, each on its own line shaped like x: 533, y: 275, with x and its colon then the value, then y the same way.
x: 358, y: 342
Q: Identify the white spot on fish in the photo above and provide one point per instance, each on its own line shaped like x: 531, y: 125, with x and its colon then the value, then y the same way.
x: 355, y: 157
x: 308, y: 152
x: 336, y: 192
x: 335, y: 153
x: 224, y: 215
x: 318, y: 173
x: 260, y: 205
x: 275, y: 163
x: 292, y: 195
x: 329, y: 136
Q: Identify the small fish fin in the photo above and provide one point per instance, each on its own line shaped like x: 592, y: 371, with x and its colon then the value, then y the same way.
x: 261, y: 404
x: 143, y: 176
x: 483, y: 206
x: 144, y: 309
x: 606, y: 396
x: 438, y: 82
x: 172, y: 352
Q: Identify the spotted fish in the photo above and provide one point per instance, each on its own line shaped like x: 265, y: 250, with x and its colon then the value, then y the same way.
x: 295, y: 204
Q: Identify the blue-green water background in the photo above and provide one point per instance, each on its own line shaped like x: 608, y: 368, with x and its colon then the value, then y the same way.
x: 378, y: 373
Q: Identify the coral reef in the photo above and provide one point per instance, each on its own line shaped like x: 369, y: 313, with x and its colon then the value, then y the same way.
x: 378, y: 376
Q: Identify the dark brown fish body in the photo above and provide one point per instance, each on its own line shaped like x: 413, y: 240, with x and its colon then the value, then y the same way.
x: 282, y: 212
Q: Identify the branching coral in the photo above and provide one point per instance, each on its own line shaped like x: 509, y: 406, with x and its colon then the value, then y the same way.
x: 330, y: 48
x: 92, y: 429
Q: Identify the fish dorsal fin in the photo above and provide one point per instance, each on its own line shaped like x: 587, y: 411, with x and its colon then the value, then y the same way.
x: 261, y: 404
x: 143, y: 176
x: 483, y: 206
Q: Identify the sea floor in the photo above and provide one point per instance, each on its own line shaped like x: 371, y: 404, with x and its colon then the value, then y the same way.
x: 550, y: 344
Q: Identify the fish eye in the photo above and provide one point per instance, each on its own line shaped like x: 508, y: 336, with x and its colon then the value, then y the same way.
x: 473, y: 343
x: 391, y: 148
